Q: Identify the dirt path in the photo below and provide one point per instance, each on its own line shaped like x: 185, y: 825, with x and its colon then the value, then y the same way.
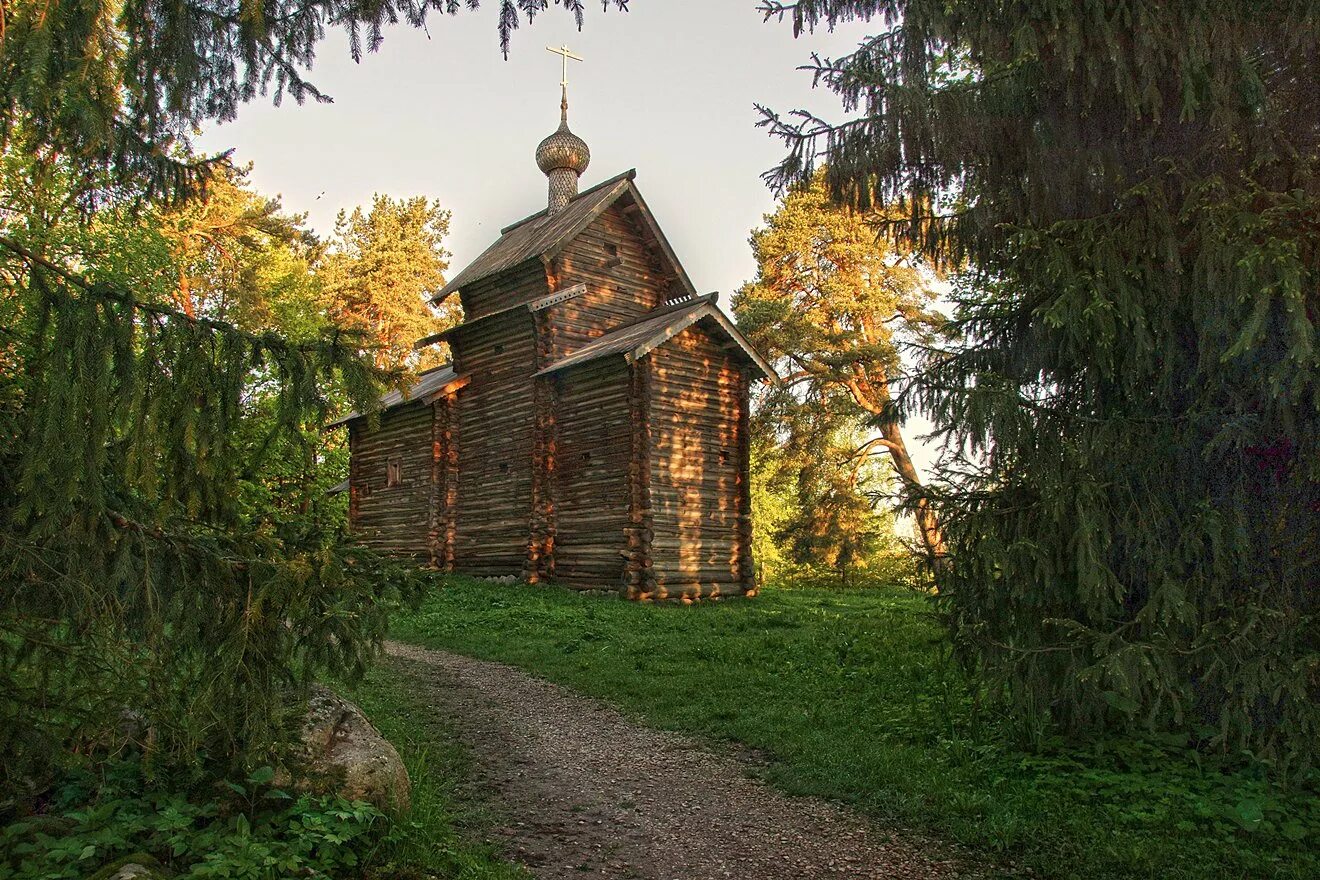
x: 584, y: 792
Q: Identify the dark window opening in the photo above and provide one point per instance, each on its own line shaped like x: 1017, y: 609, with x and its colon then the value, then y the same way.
x: 586, y: 456
x: 612, y: 250
x: 393, y: 473
x: 499, y: 349
x: 504, y: 467
x: 724, y: 455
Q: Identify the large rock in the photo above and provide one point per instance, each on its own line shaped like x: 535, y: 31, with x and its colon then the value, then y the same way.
x: 340, y: 744
x: 138, y: 866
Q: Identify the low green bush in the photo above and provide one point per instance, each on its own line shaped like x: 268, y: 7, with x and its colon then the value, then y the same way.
x: 189, y: 828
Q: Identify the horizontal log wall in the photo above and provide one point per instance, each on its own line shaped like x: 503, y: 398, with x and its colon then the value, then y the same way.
x: 622, y: 283
x: 518, y: 285
x: 591, y: 491
x: 697, y: 487
x: 495, y: 443
x: 393, y: 519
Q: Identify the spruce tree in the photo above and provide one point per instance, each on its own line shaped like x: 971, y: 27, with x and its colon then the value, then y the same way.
x: 135, y: 574
x: 118, y: 86
x: 1132, y: 500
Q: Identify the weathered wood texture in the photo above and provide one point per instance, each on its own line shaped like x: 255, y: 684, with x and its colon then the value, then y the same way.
x: 623, y: 275
x: 519, y: 285
x: 604, y: 474
x: 540, y: 560
x: 590, y: 475
x: 444, y: 482
x: 393, y: 519
x: 697, y: 492
x: 495, y: 444
x: 639, y: 577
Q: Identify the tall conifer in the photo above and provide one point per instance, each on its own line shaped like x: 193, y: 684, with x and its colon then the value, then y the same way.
x: 1133, y: 504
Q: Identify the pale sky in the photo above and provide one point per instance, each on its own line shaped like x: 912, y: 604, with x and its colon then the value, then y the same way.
x: 667, y: 88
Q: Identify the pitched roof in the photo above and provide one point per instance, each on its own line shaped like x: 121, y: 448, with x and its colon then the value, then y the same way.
x: 637, y: 339
x: 433, y: 381
x: 544, y: 236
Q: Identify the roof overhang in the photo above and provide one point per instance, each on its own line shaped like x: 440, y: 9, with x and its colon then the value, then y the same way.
x: 544, y: 236
x: 713, y: 313
x: 426, y: 391
x: 632, y: 344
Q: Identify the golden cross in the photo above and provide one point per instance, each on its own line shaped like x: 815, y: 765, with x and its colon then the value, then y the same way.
x: 566, y: 55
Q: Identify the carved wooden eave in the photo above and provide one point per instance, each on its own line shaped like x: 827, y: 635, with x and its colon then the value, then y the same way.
x: 557, y: 297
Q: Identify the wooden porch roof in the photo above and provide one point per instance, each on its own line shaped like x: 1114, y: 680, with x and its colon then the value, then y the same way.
x: 657, y: 327
x: 437, y: 380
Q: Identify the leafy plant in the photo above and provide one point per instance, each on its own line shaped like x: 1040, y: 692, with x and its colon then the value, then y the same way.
x: 233, y: 830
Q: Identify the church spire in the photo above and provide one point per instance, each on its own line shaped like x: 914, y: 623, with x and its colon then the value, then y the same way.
x: 563, y: 156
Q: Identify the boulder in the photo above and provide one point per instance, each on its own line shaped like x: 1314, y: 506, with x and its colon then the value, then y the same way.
x: 138, y: 866
x: 135, y: 871
x: 341, y: 745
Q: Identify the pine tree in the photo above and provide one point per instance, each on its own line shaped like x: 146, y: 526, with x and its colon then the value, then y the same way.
x: 1133, y: 504
x: 240, y: 258
x: 831, y: 304
x: 382, y: 268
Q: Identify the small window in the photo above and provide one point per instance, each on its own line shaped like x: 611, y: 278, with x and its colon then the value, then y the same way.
x: 393, y: 472
x: 504, y: 467
x: 612, y: 250
x: 499, y: 349
x: 586, y: 458
x: 725, y: 456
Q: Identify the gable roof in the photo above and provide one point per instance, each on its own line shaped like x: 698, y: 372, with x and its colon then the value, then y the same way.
x: 436, y: 380
x: 657, y: 327
x: 544, y: 236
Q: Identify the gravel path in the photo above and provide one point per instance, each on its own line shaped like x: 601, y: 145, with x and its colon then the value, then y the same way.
x: 584, y: 792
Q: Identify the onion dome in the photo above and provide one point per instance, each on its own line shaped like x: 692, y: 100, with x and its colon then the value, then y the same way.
x: 562, y: 157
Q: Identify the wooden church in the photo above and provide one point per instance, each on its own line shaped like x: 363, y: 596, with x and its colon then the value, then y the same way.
x: 591, y: 429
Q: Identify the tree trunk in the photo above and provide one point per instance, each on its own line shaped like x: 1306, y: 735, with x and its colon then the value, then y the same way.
x: 928, y: 525
x: 877, y: 402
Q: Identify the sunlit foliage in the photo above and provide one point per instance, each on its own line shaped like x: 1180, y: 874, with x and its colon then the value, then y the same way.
x: 831, y: 305
x: 382, y: 267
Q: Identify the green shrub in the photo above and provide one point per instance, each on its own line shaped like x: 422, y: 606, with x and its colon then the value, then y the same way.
x: 195, y: 828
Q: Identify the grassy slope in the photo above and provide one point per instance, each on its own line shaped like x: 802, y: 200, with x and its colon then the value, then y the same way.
x: 848, y: 696
x: 441, y: 833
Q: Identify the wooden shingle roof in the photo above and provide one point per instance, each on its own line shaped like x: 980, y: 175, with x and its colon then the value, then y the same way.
x: 434, y: 381
x: 543, y: 236
x: 640, y: 337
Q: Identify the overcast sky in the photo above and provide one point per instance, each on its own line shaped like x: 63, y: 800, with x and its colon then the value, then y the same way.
x: 668, y: 88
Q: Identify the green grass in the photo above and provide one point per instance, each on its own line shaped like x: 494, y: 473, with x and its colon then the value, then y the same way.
x: 442, y: 834
x: 849, y: 696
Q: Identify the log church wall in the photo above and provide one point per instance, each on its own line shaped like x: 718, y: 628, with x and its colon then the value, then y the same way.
x: 590, y: 474
x: 697, y: 468
x: 390, y: 481
x: 495, y: 444
x: 624, y: 281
